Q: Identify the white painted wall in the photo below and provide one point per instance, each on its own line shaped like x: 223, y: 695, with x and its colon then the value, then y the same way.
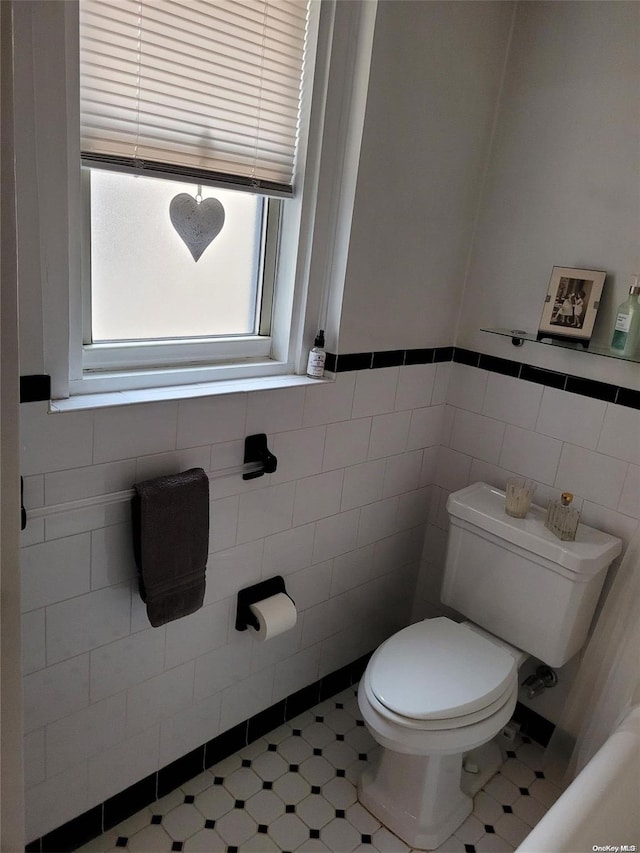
x: 434, y: 85
x: 563, y: 185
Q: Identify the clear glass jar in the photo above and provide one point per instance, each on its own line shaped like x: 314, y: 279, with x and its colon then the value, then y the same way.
x: 562, y: 519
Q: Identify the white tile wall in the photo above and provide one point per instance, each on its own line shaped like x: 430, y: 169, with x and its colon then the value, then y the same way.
x: 591, y: 475
x: 85, y: 733
x: 530, y: 454
x: 129, y: 431
x: 365, y: 465
x: 56, y: 691
x: 87, y: 622
x: 389, y: 434
x: 620, y: 435
x: 33, y: 641
x: 114, y: 769
x: 415, y: 386
x: 127, y: 662
x: 347, y: 443
x: 467, y: 386
x: 512, y: 400
x: 340, y: 487
x: 223, y: 667
x: 375, y: 392
x: 112, y: 556
x: 54, y: 571
x: 477, y: 435
x: 265, y: 511
x: 570, y: 417
x: 34, y: 767
x: 189, y: 729
x: 299, y: 453
x: 504, y: 426
x: 211, y: 420
x: 49, y: 443
x: 317, y: 497
x: 363, y: 484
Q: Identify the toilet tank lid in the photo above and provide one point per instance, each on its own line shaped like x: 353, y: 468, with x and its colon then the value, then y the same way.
x: 483, y: 506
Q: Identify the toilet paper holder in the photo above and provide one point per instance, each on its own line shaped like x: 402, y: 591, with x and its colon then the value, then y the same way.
x: 251, y: 595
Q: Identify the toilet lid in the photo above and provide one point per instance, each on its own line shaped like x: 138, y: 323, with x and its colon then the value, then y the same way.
x: 439, y: 669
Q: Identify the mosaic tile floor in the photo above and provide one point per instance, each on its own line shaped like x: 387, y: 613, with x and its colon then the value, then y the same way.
x: 295, y: 790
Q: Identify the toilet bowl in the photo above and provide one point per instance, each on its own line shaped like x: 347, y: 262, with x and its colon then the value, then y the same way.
x: 439, y: 689
x: 430, y: 694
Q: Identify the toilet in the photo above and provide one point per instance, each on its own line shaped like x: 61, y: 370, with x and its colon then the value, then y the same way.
x: 437, y: 693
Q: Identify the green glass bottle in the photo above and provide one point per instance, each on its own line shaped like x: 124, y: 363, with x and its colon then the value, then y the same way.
x: 627, y: 327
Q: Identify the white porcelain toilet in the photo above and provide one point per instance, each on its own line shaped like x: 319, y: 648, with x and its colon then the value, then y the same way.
x: 439, y: 689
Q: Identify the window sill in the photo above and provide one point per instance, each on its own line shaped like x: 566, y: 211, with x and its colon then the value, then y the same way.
x: 80, y: 402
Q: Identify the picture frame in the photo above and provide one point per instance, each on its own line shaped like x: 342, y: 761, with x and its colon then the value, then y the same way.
x: 571, y: 304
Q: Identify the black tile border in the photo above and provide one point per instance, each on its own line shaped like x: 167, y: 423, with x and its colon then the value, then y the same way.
x: 591, y: 388
x: 551, y: 378
x: 113, y: 811
x: 554, y: 379
x: 75, y: 833
x: 123, y: 805
x: 532, y: 725
x: 628, y: 397
x: 38, y: 387
x: 466, y: 356
x: 180, y: 771
x: 386, y: 358
x: 35, y: 388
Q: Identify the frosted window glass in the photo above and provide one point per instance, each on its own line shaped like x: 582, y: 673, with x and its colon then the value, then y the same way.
x: 145, y: 284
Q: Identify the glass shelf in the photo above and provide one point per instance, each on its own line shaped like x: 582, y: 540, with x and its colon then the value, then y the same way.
x: 518, y: 337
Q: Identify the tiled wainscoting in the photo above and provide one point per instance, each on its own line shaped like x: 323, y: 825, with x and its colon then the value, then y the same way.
x: 158, y: 785
x: 497, y: 425
x: 365, y: 466
x: 110, y: 700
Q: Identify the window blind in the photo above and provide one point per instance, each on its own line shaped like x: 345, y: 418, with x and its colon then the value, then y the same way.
x: 202, y: 88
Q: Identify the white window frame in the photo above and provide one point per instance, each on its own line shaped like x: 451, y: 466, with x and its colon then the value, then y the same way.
x: 100, y: 357
x: 311, y: 269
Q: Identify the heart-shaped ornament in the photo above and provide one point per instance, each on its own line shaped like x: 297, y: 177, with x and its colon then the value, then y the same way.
x: 198, y: 223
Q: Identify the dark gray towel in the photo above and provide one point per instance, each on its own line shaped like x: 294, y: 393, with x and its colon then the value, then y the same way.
x: 171, y: 542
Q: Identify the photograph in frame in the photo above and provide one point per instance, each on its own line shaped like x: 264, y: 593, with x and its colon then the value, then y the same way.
x: 571, y: 304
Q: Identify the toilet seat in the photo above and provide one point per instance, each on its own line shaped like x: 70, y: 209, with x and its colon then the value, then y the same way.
x: 446, y: 724
x: 439, y: 674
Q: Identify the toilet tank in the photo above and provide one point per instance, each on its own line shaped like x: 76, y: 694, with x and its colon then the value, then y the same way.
x: 516, y: 579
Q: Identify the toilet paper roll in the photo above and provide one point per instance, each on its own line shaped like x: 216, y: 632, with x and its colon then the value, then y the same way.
x: 275, y: 615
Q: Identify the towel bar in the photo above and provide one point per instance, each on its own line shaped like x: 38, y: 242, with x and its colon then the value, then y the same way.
x: 125, y: 495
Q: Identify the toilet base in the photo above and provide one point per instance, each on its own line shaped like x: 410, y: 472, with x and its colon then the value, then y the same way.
x: 418, y: 797
x: 488, y: 759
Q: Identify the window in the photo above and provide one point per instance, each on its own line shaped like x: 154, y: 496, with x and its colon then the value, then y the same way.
x: 303, y: 223
x: 197, y: 108
x: 153, y: 297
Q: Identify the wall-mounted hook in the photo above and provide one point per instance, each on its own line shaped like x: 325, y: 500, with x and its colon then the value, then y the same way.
x: 256, y: 450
